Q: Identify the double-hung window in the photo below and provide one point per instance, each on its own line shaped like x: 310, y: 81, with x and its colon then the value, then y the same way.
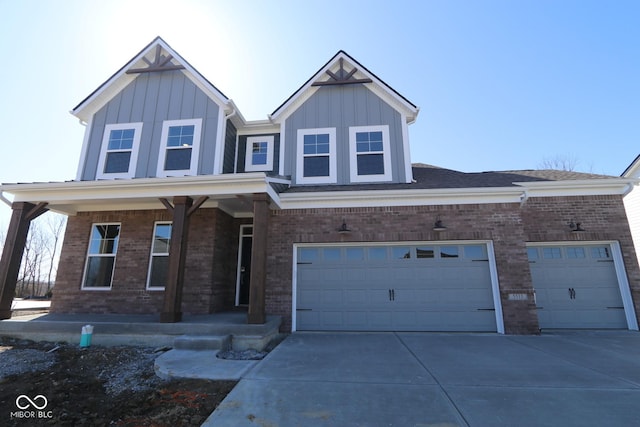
x: 159, y: 263
x: 101, y: 256
x: 316, y: 159
x: 259, y: 154
x: 370, y: 155
x: 179, y: 147
x: 119, y: 152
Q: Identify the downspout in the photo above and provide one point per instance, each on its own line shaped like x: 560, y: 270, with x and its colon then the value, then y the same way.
x: 523, y: 198
x: 233, y: 112
x: 630, y: 186
x: 4, y: 199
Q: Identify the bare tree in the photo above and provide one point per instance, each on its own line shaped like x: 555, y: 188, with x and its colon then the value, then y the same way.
x: 567, y: 162
x: 56, y: 226
x: 39, y: 259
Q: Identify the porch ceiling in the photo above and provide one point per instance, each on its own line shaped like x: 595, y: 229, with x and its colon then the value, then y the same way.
x: 231, y: 193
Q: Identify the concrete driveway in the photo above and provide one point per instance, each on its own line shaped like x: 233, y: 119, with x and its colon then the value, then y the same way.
x: 589, y: 378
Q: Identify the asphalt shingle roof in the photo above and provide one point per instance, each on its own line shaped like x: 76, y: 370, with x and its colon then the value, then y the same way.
x: 433, y: 177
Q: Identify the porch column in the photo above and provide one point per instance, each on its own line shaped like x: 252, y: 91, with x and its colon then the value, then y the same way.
x: 256, y: 313
x: 171, y: 311
x: 21, y: 217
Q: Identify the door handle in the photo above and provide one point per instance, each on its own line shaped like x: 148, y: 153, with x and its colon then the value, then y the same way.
x: 389, y: 294
x: 572, y: 293
x: 393, y: 294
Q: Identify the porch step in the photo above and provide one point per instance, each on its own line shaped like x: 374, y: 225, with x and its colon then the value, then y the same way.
x: 202, y: 342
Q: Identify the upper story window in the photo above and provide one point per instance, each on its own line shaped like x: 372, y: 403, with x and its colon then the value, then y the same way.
x: 159, y: 263
x: 119, y: 151
x: 180, y: 145
x: 370, y: 153
x: 101, y: 256
x: 316, y: 160
x: 259, y: 154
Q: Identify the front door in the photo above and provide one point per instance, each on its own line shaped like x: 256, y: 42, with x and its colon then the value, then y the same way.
x: 244, y: 265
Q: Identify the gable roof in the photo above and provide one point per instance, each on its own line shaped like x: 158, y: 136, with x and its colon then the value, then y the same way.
x: 361, y: 73
x: 632, y: 170
x: 118, y: 81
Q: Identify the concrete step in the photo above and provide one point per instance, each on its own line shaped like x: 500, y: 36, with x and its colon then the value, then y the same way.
x: 202, y: 342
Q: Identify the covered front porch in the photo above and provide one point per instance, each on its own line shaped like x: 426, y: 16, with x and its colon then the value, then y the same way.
x: 246, y: 199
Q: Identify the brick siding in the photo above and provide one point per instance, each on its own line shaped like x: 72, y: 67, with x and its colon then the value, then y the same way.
x: 213, y: 248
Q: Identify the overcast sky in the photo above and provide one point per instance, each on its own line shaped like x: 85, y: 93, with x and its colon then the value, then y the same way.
x: 501, y: 84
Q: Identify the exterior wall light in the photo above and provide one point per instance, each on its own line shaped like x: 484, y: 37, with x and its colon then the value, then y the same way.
x: 343, y: 228
x: 438, y: 225
x: 575, y: 226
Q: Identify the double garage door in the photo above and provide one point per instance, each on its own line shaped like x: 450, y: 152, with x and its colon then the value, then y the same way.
x: 430, y: 287
x: 448, y: 287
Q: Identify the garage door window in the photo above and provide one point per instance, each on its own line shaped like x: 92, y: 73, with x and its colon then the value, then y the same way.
x: 425, y: 252
x: 551, y: 253
x: 377, y: 254
x: 476, y: 252
x: 308, y: 255
x: 600, y: 252
x: 448, y: 252
x: 532, y: 253
x: 355, y: 254
x: 401, y: 253
x: 331, y: 254
x: 575, y: 253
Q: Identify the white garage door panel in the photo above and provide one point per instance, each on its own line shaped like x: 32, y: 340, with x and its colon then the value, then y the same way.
x: 576, y: 292
x: 391, y: 289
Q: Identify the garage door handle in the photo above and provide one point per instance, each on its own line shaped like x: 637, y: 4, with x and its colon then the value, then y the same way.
x: 392, y: 294
x: 304, y: 309
x: 615, y: 308
x: 486, y: 309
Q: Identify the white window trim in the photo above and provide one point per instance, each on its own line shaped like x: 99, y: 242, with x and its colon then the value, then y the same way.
x: 88, y: 254
x: 130, y: 173
x: 195, y: 148
x: 152, y: 254
x: 248, y: 158
x: 332, y: 177
x: 353, y: 154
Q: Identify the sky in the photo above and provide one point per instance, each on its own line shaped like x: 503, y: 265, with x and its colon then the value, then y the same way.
x: 501, y: 84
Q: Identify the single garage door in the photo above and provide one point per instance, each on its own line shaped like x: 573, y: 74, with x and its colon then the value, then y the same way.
x: 429, y: 287
x: 576, y: 287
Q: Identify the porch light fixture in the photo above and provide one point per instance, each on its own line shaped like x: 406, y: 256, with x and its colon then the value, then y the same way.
x: 343, y: 228
x: 438, y: 225
x: 575, y: 226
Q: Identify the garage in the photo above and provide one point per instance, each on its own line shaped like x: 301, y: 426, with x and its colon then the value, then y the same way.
x: 576, y: 287
x: 410, y: 287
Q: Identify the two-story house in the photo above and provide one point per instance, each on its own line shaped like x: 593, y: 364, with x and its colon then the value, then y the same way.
x: 317, y: 215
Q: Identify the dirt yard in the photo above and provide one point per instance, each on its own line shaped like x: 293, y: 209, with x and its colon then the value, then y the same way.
x: 63, y: 385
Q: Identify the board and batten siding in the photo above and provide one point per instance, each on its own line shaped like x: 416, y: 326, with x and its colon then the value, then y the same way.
x: 342, y: 107
x: 229, y: 148
x: 151, y: 99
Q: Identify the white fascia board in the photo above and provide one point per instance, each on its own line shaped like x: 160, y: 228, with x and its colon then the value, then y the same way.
x: 259, y: 127
x: 389, y: 198
x: 585, y: 187
x: 633, y: 171
x: 121, y: 79
x: 378, y: 87
x: 134, y: 191
x: 294, y: 103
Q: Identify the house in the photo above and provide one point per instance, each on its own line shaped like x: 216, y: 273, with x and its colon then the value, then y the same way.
x: 632, y: 202
x: 317, y: 215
